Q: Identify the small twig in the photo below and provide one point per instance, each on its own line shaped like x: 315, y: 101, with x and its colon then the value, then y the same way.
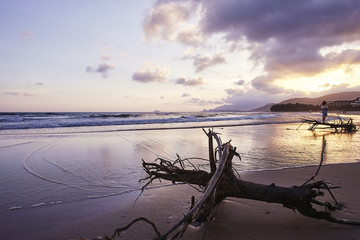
x: 234, y: 169
x: 187, y: 160
x: 300, y: 125
x: 325, y: 204
x: 322, y: 156
x: 328, y: 189
x: 181, y: 162
x: 320, y: 164
x: 119, y: 230
x: 168, y: 168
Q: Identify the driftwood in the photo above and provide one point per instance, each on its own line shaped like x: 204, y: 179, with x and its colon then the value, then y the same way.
x: 339, y: 125
x: 222, y: 182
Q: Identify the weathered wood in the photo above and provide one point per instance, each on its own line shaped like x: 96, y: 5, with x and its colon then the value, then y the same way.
x: 121, y: 229
x: 211, y: 152
x: 339, y: 125
x: 321, y: 162
x: 210, y: 190
x: 224, y: 183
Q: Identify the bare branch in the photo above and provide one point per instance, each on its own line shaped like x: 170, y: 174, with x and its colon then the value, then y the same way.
x: 211, y: 151
x: 321, y: 161
x: 224, y: 182
x: 118, y: 231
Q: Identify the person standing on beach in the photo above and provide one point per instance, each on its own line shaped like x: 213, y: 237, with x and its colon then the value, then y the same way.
x: 324, y: 109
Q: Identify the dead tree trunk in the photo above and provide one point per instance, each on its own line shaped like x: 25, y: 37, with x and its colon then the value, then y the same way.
x: 222, y: 182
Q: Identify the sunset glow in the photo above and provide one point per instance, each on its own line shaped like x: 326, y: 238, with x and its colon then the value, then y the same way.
x: 322, y: 82
x: 174, y: 55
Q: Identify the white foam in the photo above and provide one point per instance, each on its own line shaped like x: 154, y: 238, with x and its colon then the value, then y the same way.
x: 38, y: 204
x: 15, y: 208
x: 60, y: 120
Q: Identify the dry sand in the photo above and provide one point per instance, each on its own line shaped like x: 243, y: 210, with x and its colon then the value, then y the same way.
x: 245, y: 219
x: 234, y: 218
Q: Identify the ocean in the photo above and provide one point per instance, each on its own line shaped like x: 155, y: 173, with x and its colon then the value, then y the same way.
x: 136, y: 120
x: 48, y: 159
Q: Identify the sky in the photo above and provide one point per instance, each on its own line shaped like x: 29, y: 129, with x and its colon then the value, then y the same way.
x: 174, y: 55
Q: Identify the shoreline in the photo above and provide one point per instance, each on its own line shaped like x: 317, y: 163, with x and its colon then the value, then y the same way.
x: 273, y: 153
x: 134, y: 129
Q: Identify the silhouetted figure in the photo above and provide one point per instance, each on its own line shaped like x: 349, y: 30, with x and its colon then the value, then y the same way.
x: 324, y: 109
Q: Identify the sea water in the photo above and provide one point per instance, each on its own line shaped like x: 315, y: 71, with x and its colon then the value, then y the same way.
x: 57, y: 158
x: 133, y: 121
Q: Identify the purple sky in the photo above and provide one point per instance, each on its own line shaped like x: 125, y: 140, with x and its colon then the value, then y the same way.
x: 174, y: 55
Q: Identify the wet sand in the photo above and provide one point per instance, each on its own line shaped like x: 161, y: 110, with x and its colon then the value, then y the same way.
x: 259, y: 146
x: 165, y: 206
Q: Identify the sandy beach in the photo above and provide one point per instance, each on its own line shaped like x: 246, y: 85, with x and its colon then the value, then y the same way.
x: 246, y: 218
x: 259, y: 220
x: 233, y: 218
x: 76, y: 166
x: 101, y: 101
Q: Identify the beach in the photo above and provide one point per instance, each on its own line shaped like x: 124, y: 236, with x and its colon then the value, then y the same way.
x: 165, y: 206
x: 84, y: 184
x: 109, y: 109
x: 258, y: 220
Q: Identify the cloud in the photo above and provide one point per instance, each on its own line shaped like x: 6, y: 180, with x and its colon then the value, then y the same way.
x: 39, y: 84
x: 201, y: 102
x: 101, y: 68
x: 250, y: 99
x: 191, y: 82
x: 105, y: 57
x: 151, y: 72
x: 327, y: 88
x: 12, y: 93
x: 170, y: 21
x: 335, y: 88
x: 190, y: 36
x: 26, y: 34
x: 265, y: 83
x: 325, y: 85
x: 232, y: 91
x: 164, y: 19
x: 290, y: 34
x: 284, y: 40
x: 346, y: 57
x: 321, y: 22
x: 285, y: 37
x: 240, y: 83
x: 201, y: 63
x: 185, y: 95
x: 19, y: 94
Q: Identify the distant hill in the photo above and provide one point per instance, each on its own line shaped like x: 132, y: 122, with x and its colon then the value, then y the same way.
x: 265, y: 108
x: 313, y: 101
x: 227, y: 108
x: 318, y: 100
